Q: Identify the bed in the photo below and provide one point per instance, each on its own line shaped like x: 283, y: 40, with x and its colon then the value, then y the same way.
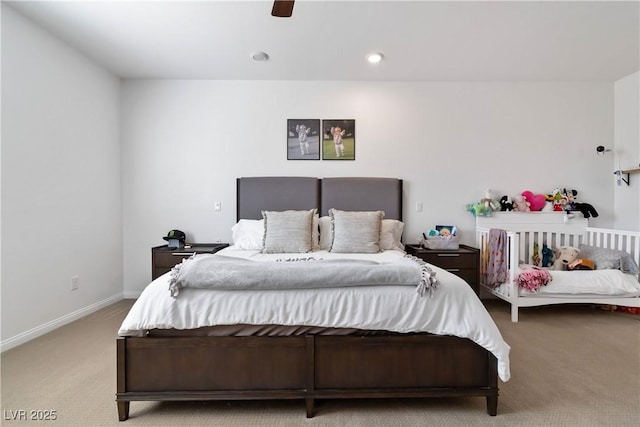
x: 616, y: 251
x: 424, y: 354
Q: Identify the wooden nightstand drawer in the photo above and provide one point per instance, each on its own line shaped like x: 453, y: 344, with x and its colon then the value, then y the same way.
x: 463, y: 262
x: 450, y: 259
x: 164, y: 259
x: 169, y: 259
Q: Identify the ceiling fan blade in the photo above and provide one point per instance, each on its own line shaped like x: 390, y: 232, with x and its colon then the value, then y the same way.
x: 282, y: 8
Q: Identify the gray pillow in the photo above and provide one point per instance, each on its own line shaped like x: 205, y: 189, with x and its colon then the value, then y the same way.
x: 287, y: 231
x: 356, y: 231
x: 605, y: 258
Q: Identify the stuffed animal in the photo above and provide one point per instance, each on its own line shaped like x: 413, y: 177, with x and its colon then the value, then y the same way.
x: 547, y: 256
x: 569, y: 197
x: 489, y: 203
x: 558, y: 200
x: 478, y: 209
x: 485, y: 206
x: 536, y: 201
x: 535, y: 258
x: 520, y: 204
x: 549, y: 199
x: 506, y: 204
x: 565, y: 255
x: 581, y: 264
x: 587, y: 209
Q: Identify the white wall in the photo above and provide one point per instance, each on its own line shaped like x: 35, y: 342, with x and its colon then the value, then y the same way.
x: 627, y: 151
x: 185, y: 142
x: 61, y: 182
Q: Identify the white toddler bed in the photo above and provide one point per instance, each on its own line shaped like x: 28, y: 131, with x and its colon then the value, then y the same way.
x: 524, y: 229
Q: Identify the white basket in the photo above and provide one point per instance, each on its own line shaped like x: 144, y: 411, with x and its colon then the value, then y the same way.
x: 442, y: 243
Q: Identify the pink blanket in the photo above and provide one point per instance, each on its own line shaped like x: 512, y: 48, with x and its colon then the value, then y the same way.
x: 497, y: 269
x: 532, y: 278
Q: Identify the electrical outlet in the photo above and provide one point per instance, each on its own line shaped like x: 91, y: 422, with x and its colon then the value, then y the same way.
x: 218, y: 240
x: 74, y: 283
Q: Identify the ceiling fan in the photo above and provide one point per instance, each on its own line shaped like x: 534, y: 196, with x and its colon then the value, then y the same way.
x: 282, y: 8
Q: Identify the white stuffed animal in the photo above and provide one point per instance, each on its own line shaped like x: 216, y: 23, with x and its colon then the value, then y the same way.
x: 565, y: 255
x: 489, y: 203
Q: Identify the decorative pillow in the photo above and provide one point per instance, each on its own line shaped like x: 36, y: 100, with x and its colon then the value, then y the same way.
x: 248, y: 234
x: 315, y: 233
x: 356, y: 232
x: 287, y: 231
x: 390, y: 235
x: 326, y: 233
x: 605, y: 258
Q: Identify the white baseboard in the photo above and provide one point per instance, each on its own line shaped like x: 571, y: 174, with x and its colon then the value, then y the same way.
x: 132, y: 294
x: 56, y: 323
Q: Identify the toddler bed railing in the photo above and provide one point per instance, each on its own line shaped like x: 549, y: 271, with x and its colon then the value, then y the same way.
x: 525, y: 230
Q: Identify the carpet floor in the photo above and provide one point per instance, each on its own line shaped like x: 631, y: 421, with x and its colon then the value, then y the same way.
x: 570, y: 366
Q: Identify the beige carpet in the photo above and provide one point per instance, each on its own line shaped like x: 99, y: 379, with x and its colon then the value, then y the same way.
x: 570, y: 365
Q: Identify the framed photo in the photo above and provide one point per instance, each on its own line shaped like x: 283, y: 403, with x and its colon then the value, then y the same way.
x: 303, y: 139
x: 339, y: 139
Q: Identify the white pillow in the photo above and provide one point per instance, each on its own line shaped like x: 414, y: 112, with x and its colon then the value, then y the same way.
x: 356, y: 231
x: 287, y: 231
x: 315, y: 233
x: 326, y: 233
x: 248, y: 234
x: 390, y: 235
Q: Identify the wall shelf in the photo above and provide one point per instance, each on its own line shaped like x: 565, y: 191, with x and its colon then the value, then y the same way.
x: 627, y: 173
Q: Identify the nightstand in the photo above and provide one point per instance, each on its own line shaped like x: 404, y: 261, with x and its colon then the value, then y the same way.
x: 164, y: 259
x: 463, y: 262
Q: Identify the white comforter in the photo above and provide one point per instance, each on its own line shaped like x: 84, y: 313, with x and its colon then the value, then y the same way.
x: 454, y: 309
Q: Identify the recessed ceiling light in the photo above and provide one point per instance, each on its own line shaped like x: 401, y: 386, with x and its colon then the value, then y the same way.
x: 375, y: 57
x: 260, y: 56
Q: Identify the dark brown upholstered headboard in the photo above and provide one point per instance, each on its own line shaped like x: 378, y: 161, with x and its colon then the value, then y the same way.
x: 362, y: 194
x: 273, y: 193
x: 257, y: 194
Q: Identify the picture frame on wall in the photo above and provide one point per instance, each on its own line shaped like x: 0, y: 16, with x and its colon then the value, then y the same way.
x: 339, y: 139
x: 303, y: 139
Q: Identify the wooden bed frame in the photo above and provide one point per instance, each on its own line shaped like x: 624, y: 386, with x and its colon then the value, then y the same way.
x: 553, y: 228
x: 313, y: 366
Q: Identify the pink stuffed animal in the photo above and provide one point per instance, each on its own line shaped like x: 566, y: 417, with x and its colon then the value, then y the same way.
x: 536, y: 201
x: 520, y: 204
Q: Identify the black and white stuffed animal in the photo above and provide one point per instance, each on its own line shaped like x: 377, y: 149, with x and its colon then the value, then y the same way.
x: 506, y: 204
x: 586, y: 208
